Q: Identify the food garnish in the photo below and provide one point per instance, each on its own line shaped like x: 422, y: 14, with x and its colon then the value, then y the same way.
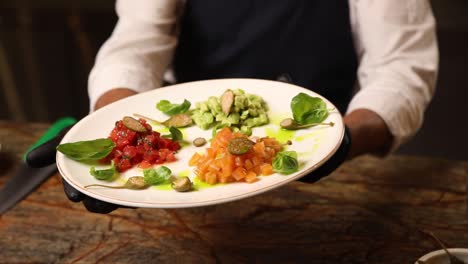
x: 182, y: 184
x: 227, y: 99
x: 133, y: 124
x: 133, y: 183
x: 240, y: 145
x: 286, y: 162
x: 87, y: 150
x: 105, y: 174
x: 291, y: 124
x: 160, y: 175
x: 199, y: 141
x: 175, y: 134
x: 307, y: 111
x: 178, y: 120
x: 219, y: 165
x: 171, y: 109
x: 157, y: 176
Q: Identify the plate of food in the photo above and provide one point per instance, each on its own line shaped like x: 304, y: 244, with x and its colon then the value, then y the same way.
x: 200, y: 143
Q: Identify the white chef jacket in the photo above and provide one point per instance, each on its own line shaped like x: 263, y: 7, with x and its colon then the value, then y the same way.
x: 395, y: 41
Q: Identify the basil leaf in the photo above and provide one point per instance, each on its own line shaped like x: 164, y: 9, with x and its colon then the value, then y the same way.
x: 172, y: 109
x: 286, y: 162
x: 307, y: 109
x: 176, y: 134
x: 87, y: 150
x: 105, y: 174
x: 157, y: 176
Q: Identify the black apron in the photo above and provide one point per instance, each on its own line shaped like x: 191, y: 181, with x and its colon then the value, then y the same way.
x: 308, y: 40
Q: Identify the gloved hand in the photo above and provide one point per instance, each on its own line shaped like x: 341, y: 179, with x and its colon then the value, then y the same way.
x: 44, y: 155
x: 333, y: 163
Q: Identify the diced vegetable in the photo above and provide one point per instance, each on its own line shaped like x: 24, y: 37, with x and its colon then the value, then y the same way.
x: 219, y: 165
x: 234, y: 108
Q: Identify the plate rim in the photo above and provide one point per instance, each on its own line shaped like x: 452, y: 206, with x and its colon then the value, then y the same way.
x: 439, y: 252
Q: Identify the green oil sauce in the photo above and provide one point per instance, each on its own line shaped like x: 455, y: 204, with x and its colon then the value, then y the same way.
x: 184, y: 143
x: 199, y: 185
x: 163, y: 187
x: 282, y: 135
x: 158, y: 125
x: 304, y: 137
x: 121, y: 180
x: 184, y: 173
x: 317, y: 134
x: 276, y: 118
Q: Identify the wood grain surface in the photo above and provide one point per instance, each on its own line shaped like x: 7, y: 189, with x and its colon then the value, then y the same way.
x: 370, y: 210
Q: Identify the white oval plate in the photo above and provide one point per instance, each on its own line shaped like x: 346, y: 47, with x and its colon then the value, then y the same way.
x: 314, y: 145
x: 440, y: 257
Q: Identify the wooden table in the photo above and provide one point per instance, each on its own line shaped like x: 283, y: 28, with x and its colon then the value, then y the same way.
x: 369, y: 211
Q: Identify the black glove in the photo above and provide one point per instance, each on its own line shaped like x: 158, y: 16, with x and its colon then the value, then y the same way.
x: 333, y: 163
x: 91, y: 204
x: 44, y: 155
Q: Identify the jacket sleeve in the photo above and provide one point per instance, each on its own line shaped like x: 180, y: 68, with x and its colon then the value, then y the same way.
x: 397, y: 47
x: 139, y: 50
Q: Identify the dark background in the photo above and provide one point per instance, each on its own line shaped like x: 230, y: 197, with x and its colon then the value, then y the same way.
x: 47, y: 49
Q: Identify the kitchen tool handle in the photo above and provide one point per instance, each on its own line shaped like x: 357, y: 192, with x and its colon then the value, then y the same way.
x: 42, y: 153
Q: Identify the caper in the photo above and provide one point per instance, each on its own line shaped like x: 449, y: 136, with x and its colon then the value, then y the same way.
x: 199, y: 141
x: 133, y: 183
x: 291, y: 124
x: 240, y: 145
x: 180, y: 120
x: 288, y: 123
x: 227, y: 99
x: 133, y: 124
x: 182, y: 184
x: 136, y: 183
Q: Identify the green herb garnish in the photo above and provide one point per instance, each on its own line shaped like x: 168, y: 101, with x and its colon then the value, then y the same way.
x: 176, y: 134
x: 157, y: 176
x: 291, y: 124
x: 105, y: 174
x: 87, y: 150
x: 286, y: 162
x: 307, y: 109
x: 133, y: 183
x: 172, y: 109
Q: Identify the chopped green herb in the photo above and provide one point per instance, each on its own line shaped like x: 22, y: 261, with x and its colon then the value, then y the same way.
x: 286, y: 162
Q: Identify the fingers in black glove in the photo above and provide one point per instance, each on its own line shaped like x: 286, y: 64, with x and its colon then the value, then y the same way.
x: 71, y: 193
x: 98, y: 206
x: 44, y: 155
x: 91, y: 204
x: 333, y: 163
